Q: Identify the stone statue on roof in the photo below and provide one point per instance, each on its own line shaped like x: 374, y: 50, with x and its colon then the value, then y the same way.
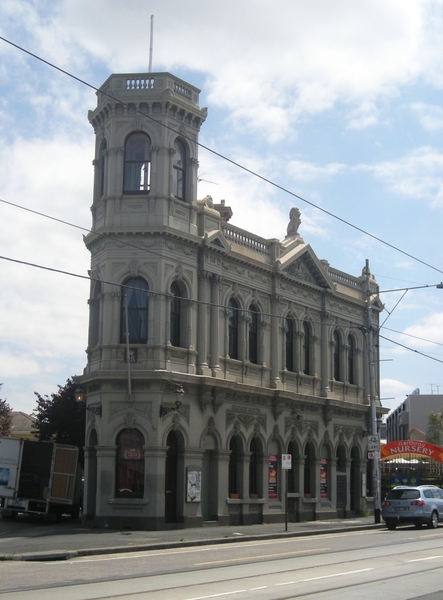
x: 294, y: 222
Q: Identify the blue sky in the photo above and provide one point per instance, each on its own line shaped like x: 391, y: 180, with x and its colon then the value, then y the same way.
x: 341, y: 103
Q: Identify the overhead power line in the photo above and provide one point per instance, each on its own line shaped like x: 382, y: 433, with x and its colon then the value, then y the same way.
x: 163, y: 294
x: 233, y: 162
x: 411, y: 349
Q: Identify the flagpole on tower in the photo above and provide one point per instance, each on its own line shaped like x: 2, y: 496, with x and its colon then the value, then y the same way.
x: 151, y: 44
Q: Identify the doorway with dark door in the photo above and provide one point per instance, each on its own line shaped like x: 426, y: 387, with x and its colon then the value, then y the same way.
x: 171, y: 478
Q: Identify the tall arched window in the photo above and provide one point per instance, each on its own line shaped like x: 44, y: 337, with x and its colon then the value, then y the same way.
x: 94, y: 314
x: 233, y: 329
x: 290, y: 354
x: 337, y: 351
x: 253, y: 467
x: 178, y: 170
x: 175, y: 315
x: 309, y: 470
x: 306, y: 350
x: 253, y: 334
x: 137, y: 172
x: 351, y: 365
x: 130, y: 464
x: 134, y: 311
x: 102, y: 167
x: 235, y: 446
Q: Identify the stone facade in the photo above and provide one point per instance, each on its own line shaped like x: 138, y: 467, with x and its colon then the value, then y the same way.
x: 212, y: 351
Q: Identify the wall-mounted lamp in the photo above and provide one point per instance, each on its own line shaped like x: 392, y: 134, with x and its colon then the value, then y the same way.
x: 164, y: 410
x: 80, y: 397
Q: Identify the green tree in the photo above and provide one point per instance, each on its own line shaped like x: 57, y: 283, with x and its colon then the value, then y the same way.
x: 434, y: 430
x: 5, y: 417
x: 60, y: 418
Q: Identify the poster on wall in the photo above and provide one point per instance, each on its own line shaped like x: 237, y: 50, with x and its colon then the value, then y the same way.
x: 194, y: 486
x: 272, y: 476
x: 324, y: 478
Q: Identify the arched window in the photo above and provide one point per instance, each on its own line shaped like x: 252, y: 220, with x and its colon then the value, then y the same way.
x: 293, y: 478
x: 306, y: 350
x: 130, y: 464
x: 94, y: 314
x: 175, y: 315
x: 178, y: 170
x: 253, y: 334
x: 351, y: 365
x: 337, y: 351
x: 235, y: 446
x: 134, y: 311
x: 233, y: 329
x: 309, y: 470
x: 137, y: 172
x: 290, y: 354
x: 341, y: 459
x: 253, y: 467
x: 102, y: 167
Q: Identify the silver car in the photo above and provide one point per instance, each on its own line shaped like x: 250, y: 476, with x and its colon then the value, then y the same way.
x: 422, y: 504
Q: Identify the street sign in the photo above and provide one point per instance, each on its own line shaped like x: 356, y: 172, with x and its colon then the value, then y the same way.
x: 373, y: 443
x: 374, y: 455
x: 286, y: 461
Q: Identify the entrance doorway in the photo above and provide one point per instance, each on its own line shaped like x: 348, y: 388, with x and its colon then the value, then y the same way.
x: 171, y: 479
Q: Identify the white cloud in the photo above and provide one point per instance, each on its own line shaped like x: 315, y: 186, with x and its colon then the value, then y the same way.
x: 314, y: 54
x: 430, y: 116
x: 417, y: 175
x: 363, y: 116
x: 305, y: 171
x: 427, y: 330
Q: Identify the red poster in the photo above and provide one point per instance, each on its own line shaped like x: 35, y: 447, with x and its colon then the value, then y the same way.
x: 272, y: 476
x: 324, y: 478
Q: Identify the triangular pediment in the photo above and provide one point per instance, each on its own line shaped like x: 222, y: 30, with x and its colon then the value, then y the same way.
x: 217, y: 240
x: 301, y: 263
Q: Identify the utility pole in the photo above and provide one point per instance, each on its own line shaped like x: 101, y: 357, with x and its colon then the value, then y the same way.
x: 374, y: 428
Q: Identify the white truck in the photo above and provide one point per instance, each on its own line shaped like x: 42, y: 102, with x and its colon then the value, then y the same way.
x: 39, y: 478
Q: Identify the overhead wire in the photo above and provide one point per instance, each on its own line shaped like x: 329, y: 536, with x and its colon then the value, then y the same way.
x: 229, y: 160
x: 223, y: 157
x: 164, y: 294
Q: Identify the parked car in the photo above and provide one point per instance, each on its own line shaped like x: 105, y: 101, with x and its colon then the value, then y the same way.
x: 422, y: 504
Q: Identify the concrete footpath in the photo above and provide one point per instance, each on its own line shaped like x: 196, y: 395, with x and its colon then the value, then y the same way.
x: 34, y: 540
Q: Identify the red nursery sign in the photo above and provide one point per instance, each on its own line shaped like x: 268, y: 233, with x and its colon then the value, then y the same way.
x: 416, y: 448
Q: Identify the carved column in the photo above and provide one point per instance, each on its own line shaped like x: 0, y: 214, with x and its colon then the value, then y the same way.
x: 276, y: 365
x: 324, y: 392
x: 214, y: 324
x: 202, y: 321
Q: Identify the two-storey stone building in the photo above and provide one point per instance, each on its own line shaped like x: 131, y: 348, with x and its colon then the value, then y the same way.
x: 212, y: 351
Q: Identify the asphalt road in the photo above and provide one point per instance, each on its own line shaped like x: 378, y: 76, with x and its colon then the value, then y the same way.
x: 363, y: 564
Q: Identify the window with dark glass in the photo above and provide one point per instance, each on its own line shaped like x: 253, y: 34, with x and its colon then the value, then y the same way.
x: 102, y: 167
x: 175, y: 315
x: 253, y: 467
x: 134, y: 311
x: 306, y: 350
x: 253, y: 334
x: 290, y: 344
x: 137, y: 170
x: 178, y: 170
x: 94, y: 319
x: 233, y: 466
x: 233, y: 329
x: 336, y: 340
x: 130, y: 464
x: 351, y: 352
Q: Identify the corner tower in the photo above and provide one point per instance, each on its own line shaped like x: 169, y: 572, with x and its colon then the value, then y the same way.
x: 146, y: 153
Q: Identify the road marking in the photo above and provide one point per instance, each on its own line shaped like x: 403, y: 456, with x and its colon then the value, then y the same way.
x: 262, y: 587
x: 428, y: 558
x: 218, y: 595
x: 228, y: 560
x: 323, y: 577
